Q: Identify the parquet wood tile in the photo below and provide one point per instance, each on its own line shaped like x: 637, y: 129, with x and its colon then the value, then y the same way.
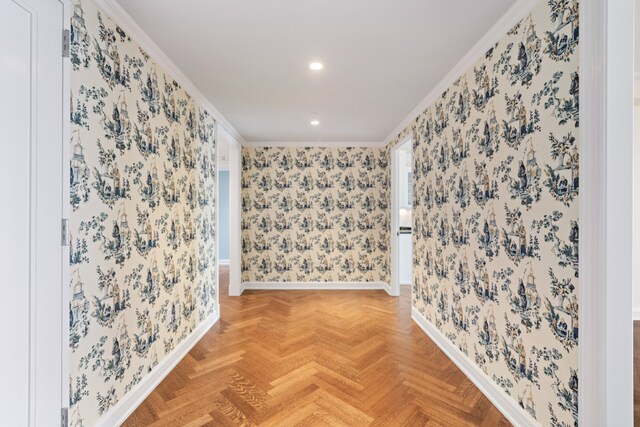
x: 315, y: 358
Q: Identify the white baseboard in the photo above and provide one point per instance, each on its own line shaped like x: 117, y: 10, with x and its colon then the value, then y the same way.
x: 223, y: 262
x: 125, y: 406
x: 315, y: 286
x: 636, y: 314
x: 503, y: 402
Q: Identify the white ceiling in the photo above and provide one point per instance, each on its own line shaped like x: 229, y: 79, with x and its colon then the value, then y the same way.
x: 250, y: 58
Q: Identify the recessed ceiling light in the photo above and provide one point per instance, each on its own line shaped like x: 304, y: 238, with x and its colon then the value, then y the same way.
x: 314, y: 122
x: 316, y: 66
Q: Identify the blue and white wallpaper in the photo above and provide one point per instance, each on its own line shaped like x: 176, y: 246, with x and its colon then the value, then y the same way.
x: 496, y: 181
x: 143, y: 242
x: 496, y: 189
x: 314, y: 214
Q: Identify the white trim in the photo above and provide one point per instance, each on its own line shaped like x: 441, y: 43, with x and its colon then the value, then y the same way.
x: 606, y: 153
x: 503, y: 402
x: 402, y: 283
x: 223, y: 262
x: 133, y: 29
x: 125, y: 407
x: 618, y: 303
x: 395, y: 241
x: 395, y: 212
x: 235, y: 218
x: 302, y: 144
x: 515, y: 13
x: 592, y: 201
x: 362, y: 286
x: 636, y: 314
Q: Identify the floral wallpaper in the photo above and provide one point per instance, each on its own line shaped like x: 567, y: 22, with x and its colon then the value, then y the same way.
x: 496, y: 179
x: 314, y: 215
x: 143, y: 214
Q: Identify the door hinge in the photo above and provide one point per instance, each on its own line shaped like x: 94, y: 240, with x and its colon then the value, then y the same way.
x: 65, y: 232
x: 65, y: 43
x: 64, y: 417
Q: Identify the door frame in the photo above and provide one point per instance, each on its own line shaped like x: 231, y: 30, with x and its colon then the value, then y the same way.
x: 234, y: 167
x: 235, y: 217
x: 606, y: 213
x: 395, y: 208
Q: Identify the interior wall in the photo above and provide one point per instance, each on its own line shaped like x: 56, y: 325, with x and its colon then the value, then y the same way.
x: 143, y: 246
x: 636, y: 219
x: 496, y: 209
x: 636, y: 159
x: 315, y: 215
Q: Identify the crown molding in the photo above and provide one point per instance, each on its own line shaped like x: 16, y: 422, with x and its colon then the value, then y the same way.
x: 515, y: 13
x: 302, y: 144
x: 122, y: 18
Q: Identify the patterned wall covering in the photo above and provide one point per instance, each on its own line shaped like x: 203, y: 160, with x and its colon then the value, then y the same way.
x: 143, y: 220
x: 314, y: 215
x: 496, y: 211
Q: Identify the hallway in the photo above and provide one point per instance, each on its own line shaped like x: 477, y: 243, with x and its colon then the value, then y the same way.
x: 315, y: 358
x: 425, y: 217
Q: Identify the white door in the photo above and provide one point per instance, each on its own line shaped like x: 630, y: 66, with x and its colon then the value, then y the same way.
x: 31, y: 207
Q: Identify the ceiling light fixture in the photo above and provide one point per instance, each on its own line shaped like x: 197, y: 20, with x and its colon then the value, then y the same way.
x: 316, y: 66
x: 314, y: 122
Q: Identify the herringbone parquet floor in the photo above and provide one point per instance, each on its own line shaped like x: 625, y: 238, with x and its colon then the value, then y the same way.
x: 336, y: 358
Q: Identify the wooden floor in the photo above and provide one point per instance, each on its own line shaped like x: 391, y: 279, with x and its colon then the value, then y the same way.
x: 337, y: 358
x: 636, y: 373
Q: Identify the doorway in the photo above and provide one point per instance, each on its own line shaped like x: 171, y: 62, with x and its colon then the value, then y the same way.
x: 401, y: 216
x: 229, y: 181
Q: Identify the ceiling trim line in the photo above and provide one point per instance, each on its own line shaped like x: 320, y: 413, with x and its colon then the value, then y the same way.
x: 122, y: 18
x: 515, y: 13
x: 302, y: 144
